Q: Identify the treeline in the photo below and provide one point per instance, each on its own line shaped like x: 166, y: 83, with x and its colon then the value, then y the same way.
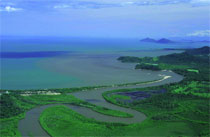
x: 199, y: 51
x: 8, y: 106
x: 197, y: 59
x: 147, y: 66
x: 129, y: 59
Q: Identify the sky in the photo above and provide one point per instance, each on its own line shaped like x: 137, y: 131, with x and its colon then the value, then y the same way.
x: 105, y: 18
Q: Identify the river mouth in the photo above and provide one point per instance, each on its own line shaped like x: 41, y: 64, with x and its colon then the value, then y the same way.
x: 41, y: 70
x: 30, y: 124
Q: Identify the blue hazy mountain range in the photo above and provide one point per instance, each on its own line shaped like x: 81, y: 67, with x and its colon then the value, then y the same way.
x: 162, y: 40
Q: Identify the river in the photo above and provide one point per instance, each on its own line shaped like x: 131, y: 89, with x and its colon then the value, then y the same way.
x: 30, y: 124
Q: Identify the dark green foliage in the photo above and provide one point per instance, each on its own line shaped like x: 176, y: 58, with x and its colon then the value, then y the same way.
x: 147, y: 66
x: 186, y: 101
x: 200, y: 51
x: 186, y: 106
x: 182, y: 111
x: 180, y: 63
x: 62, y: 121
x: 8, y: 106
x: 183, y: 58
x: 129, y: 59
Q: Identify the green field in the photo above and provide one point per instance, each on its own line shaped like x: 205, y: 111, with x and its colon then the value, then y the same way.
x: 13, y: 108
x: 62, y: 121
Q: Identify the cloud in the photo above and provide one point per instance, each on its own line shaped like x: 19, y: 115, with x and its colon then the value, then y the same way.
x: 124, y: 3
x: 200, y: 2
x: 9, y: 9
x: 84, y: 4
x: 39, y: 5
x: 200, y: 33
x: 61, y: 6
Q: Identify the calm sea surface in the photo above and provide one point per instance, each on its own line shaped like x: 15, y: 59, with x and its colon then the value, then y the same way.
x: 34, y: 63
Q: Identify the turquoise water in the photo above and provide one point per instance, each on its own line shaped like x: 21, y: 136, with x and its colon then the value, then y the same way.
x: 91, y: 62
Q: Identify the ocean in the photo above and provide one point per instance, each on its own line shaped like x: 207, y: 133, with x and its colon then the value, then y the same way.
x: 50, y: 62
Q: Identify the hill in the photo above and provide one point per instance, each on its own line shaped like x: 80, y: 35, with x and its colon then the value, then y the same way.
x: 199, y: 51
x: 148, y: 40
x: 164, y: 41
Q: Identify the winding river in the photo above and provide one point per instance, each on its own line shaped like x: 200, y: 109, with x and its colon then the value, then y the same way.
x: 30, y: 124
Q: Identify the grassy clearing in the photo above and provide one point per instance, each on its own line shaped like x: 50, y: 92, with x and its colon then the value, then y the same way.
x: 193, y: 70
x: 120, y: 97
x: 200, y: 89
x: 106, y: 111
x: 62, y: 121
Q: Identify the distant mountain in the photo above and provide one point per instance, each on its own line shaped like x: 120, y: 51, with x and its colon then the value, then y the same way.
x: 164, y: 41
x: 199, y: 51
x: 148, y: 40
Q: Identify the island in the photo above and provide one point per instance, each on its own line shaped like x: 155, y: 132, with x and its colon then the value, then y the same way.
x: 148, y: 40
x: 161, y: 41
x: 164, y: 41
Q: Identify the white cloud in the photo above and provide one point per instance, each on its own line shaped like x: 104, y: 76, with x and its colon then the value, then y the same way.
x: 123, y: 3
x: 62, y: 6
x: 200, y: 1
x: 9, y: 9
x: 200, y: 33
x: 127, y: 3
x: 11, y: 5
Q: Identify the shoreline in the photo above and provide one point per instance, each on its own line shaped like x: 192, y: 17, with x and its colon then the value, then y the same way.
x: 93, y: 93
x: 50, y: 92
x: 42, y: 91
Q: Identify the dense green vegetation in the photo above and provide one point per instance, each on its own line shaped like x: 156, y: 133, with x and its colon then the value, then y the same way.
x: 181, y: 63
x: 62, y: 121
x: 129, y: 59
x: 182, y: 111
x: 182, y: 103
x: 13, y: 108
x: 186, y: 101
x: 120, y: 97
x: 9, y: 126
x: 8, y: 106
x: 200, y: 51
x: 105, y: 111
x: 148, y: 66
x: 10, y: 117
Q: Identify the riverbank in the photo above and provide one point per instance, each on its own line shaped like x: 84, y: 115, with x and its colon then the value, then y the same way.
x: 95, y: 97
x: 181, y: 111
